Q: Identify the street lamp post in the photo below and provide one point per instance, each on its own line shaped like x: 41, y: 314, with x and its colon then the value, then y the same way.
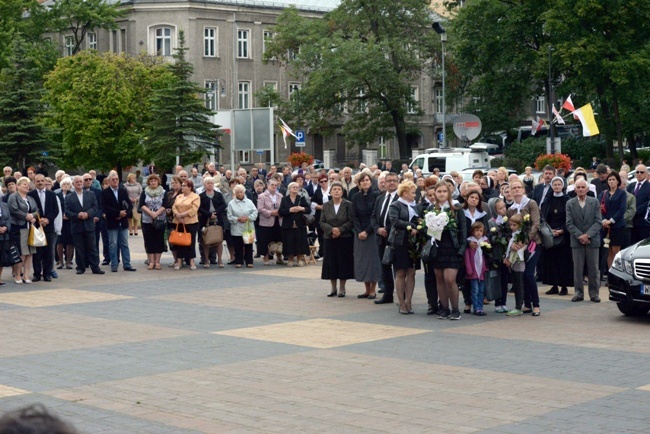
x: 443, y: 38
x: 551, y: 103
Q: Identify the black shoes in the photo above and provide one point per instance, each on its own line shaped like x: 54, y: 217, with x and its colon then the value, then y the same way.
x: 563, y: 291
x: 455, y: 315
x: 577, y: 298
x: 385, y: 300
x: 98, y: 271
x: 444, y: 313
x: 595, y: 299
x: 36, y: 279
x: 129, y: 269
x: 553, y: 291
x: 79, y: 271
x: 106, y: 262
x: 332, y: 294
x: 47, y: 278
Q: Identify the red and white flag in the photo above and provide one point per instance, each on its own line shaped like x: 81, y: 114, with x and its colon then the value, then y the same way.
x: 536, y: 125
x: 558, y: 118
x: 568, y: 105
x: 286, y: 132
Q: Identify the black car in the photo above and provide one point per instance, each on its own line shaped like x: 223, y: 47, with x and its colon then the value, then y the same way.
x: 628, y: 279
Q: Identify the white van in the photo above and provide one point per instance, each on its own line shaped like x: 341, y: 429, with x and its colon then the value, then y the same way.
x: 450, y: 159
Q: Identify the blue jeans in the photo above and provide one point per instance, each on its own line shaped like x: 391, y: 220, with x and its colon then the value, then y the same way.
x: 119, y: 239
x: 478, y: 293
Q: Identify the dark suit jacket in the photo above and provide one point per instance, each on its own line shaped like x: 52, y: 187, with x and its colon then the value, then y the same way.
x: 538, y: 191
x: 98, y: 198
x: 642, y: 201
x: 5, y: 220
x: 112, y: 207
x: 585, y: 220
x: 219, y: 204
x: 73, y: 208
x: 377, y: 219
x: 342, y: 220
x: 51, y: 210
x: 288, y: 217
x: 363, y: 208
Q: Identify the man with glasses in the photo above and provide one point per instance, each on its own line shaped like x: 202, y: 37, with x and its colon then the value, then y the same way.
x: 118, y: 209
x: 641, y: 190
x: 381, y: 225
x: 81, y: 208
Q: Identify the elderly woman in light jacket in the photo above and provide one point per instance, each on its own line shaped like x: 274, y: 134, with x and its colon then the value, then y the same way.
x: 241, y: 210
x: 269, y: 229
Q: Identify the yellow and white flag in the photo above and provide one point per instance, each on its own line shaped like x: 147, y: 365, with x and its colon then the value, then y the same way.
x: 586, y: 116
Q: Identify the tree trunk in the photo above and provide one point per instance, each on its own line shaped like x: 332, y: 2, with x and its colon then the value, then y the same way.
x: 118, y: 168
x: 607, y: 115
x: 619, y: 128
x: 400, y: 133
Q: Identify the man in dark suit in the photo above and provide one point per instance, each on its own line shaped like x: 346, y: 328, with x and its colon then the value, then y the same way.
x: 100, y: 226
x: 81, y: 208
x: 118, y: 209
x: 584, y: 222
x: 381, y: 226
x: 600, y: 181
x: 641, y: 190
x: 543, y: 189
x: 48, y: 209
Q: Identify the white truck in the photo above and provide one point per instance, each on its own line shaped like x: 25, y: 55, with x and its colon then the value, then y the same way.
x: 446, y: 160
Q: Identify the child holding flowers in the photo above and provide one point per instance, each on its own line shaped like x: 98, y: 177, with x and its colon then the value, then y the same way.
x: 499, y: 234
x: 476, y: 266
x: 515, y: 261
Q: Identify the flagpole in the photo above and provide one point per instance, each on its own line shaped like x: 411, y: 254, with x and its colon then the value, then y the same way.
x: 551, y: 125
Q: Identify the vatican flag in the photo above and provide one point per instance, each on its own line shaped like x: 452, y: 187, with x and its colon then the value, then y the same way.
x: 586, y: 116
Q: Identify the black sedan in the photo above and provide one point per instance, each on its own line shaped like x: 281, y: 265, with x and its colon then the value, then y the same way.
x: 628, y: 279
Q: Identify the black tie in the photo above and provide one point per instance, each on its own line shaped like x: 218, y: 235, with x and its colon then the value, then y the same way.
x: 384, y: 209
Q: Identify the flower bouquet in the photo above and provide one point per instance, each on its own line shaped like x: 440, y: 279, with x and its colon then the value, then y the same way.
x: 418, y: 241
x: 437, y: 221
x: 498, y: 237
x: 521, y: 238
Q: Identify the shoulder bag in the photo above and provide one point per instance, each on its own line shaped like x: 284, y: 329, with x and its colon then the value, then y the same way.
x: 248, y: 234
x: 36, y: 236
x: 546, y: 234
x: 212, y: 235
x: 309, y: 219
x: 178, y: 238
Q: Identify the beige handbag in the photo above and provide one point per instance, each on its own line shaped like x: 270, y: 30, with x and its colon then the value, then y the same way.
x: 212, y: 235
x: 36, y: 236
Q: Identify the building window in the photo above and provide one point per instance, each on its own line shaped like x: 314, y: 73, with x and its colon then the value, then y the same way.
x: 411, y: 107
x: 68, y: 49
x: 244, y: 94
x: 242, y: 44
x: 92, y: 41
x: 540, y: 105
x: 209, y: 42
x: 383, y: 149
x: 268, y: 36
x: 362, y: 106
x: 211, y: 98
x: 292, y: 54
x: 438, y: 100
x: 163, y: 41
x: 293, y: 87
x: 244, y: 156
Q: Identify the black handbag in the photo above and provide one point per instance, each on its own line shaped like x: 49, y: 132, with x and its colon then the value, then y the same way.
x: 9, y: 255
x: 159, y: 224
x: 309, y: 219
x: 387, y: 259
x: 429, y: 251
x: 546, y: 234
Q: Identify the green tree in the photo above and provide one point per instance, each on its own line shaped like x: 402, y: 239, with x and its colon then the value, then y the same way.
x: 23, y: 139
x: 83, y: 16
x: 358, y: 65
x: 100, y: 104
x: 15, y: 25
x: 180, y: 123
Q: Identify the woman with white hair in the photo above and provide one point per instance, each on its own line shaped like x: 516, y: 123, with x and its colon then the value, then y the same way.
x: 24, y: 211
x: 241, y: 212
x: 64, y: 242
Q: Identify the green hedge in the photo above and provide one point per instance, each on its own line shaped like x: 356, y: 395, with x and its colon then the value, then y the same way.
x: 520, y: 155
x: 581, y: 151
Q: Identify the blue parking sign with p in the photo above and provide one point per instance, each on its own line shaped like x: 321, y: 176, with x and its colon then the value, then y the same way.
x: 300, y: 138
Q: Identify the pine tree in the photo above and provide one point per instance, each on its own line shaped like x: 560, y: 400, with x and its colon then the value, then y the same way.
x: 23, y: 139
x: 180, y: 122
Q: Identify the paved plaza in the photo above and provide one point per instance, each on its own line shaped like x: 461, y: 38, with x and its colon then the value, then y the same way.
x: 264, y: 350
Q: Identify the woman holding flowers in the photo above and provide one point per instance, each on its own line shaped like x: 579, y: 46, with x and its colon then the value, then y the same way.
x: 530, y: 240
x: 446, y: 224
x: 404, y: 220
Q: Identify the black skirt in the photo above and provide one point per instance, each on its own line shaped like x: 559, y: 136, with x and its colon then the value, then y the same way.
x: 401, y: 256
x: 266, y: 235
x: 618, y: 237
x: 447, y: 255
x: 294, y: 242
x: 338, y: 258
x: 154, y: 239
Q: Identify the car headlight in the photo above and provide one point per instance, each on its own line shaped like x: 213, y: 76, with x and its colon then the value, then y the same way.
x: 628, y: 266
x: 617, y: 263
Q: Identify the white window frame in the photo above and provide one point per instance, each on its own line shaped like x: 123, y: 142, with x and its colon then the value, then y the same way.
x: 540, y: 105
x: 383, y: 148
x: 292, y: 87
x: 411, y: 108
x: 210, y: 41
x: 68, y: 46
x: 160, y: 39
x: 91, y: 40
x: 244, y: 157
x: 244, y: 95
x: 243, y: 43
x: 267, y: 36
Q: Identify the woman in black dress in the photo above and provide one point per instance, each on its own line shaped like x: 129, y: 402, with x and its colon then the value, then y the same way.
x: 403, y: 216
x: 64, y: 242
x: 557, y: 263
x: 366, y: 270
x: 294, y: 233
x: 450, y: 251
x: 337, y: 224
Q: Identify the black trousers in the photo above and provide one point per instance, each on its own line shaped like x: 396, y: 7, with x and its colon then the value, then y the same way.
x: 386, y: 272
x: 44, y: 257
x: 430, y: 284
x: 85, y: 250
x: 243, y: 252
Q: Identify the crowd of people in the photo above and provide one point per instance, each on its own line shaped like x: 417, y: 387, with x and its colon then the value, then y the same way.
x: 380, y: 225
